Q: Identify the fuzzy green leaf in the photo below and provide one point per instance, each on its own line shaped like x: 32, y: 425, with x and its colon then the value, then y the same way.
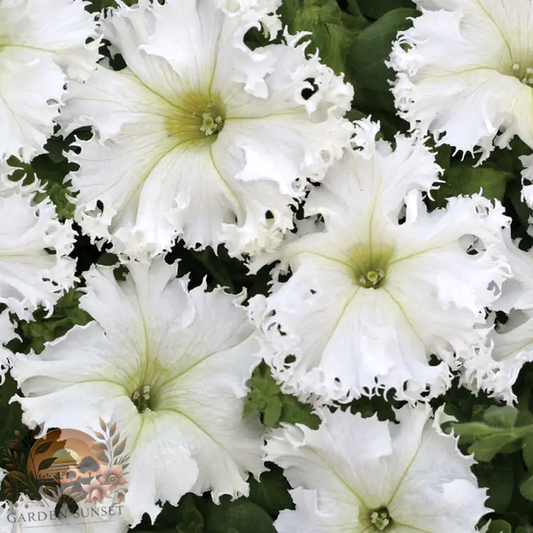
x: 501, y: 417
x: 485, y: 449
x: 472, y: 431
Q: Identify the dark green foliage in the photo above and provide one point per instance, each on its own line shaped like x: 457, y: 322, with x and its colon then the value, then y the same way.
x: 375, y: 9
x: 10, y: 414
x: 333, y: 30
x: 466, y: 180
x: 275, y: 407
x: 42, y: 329
x: 52, y: 169
x: 372, y: 47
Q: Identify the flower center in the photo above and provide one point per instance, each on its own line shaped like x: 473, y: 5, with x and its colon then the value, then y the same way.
x: 196, y: 118
x: 372, y: 278
x: 380, y: 519
x: 141, y: 399
x: 210, y: 125
x: 370, y: 266
x: 112, y: 478
x: 525, y: 75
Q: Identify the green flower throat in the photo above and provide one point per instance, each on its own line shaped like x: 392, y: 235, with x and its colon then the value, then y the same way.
x: 195, y: 119
x: 370, y: 266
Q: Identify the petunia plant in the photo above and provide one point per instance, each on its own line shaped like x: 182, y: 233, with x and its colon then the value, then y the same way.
x: 266, y: 266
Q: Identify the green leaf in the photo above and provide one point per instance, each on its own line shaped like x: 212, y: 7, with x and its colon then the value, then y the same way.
x: 527, y: 451
x: 295, y: 412
x: 272, y: 412
x: 498, y: 478
x: 332, y: 31
x: 10, y: 414
x: 499, y: 526
x: 485, y: 449
x: 190, y: 519
x: 524, y: 418
x: 265, y: 396
x: 372, y: 47
x: 375, y: 9
x: 51, y: 168
x: 240, y: 516
x: 43, y: 328
x: 271, y: 492
x: 465, y: 180
x: 526, y: 488
x: 502, y: 417
x: 472, y: 431
x: 524, y: 529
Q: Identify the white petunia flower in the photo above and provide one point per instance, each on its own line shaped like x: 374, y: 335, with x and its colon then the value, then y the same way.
x: 42, y: 45
x: 496, y: 368
x: 200, y: 136
x: 365, y: 476
x: 169, y: 367
x: 385, y: 285
x: 34, y: 245
x: 465, y: 70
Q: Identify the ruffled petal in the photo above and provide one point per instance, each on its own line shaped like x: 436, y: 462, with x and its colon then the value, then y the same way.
x: 29, y: 275
x: 464, y: 72
x: 352, y: 467
x: 44, y: 45
x: 442, y: 494
x: 510, y: 345
x: 164, y: 178
x: 332, y: 333
x: 496, y: 368
x: 169, y: 367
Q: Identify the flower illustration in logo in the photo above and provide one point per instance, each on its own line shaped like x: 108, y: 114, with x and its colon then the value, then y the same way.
x: 96, y: 492
x: 112, y: 477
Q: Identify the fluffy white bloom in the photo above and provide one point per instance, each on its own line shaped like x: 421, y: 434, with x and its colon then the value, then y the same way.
x: 366, y: 476
x: 169, y: 367
x: 34, y: 245
x: 6, y: 334
x: 42, y: 45
x: 200, y: 136
x: 386, y: 284
x: 465, y: 70
x: 496, y: 368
